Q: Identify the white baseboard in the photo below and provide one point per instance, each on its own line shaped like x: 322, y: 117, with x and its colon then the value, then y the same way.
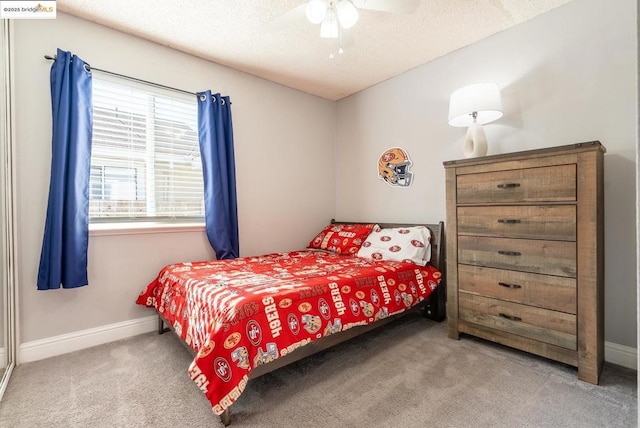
x: 621, y: 355
x: 65, y: 343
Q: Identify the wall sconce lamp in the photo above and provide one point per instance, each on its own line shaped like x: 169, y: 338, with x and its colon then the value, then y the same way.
x: 473, y: 106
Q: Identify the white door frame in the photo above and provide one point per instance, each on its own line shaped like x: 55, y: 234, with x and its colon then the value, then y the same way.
x: 8, y: 262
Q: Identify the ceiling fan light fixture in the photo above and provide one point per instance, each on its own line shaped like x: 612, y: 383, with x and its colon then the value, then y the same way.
x: 329, y: 27
x: 347, y: 13
x: 316, y: 11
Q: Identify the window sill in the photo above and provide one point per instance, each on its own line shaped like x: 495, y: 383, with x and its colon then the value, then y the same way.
x: 106, y: 229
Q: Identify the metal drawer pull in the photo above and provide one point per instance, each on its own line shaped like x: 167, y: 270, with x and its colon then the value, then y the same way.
x: 510, y: 317
x: 508, y: 220
x: 508, y: 185
x: 509, y: 253
x: 507, y: 285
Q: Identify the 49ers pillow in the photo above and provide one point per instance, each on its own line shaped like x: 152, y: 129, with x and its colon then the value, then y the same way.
x: 343, y: 239
x: 400, y: 244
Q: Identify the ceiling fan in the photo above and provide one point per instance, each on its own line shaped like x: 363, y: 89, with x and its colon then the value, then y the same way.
x: 335, y: 16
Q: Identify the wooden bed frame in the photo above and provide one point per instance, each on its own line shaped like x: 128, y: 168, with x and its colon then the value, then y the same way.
x: 433, y: 308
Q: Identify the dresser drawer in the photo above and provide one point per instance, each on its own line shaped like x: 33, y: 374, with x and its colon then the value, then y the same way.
x: 544, y: 291
x: 525, y: 255
x: 555, y: 328
x: 557, y: 222
x: 544, y: 184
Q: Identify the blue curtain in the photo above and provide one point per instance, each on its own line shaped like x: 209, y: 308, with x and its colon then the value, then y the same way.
x: 215, y: 133
x: 63, y: 260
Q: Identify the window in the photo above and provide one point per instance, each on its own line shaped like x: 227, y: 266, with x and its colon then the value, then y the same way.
x: 114, y: 183
x: 145, y: 155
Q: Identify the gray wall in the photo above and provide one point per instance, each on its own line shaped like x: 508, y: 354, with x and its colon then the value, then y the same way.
x: 567, y: 76
x: 284, y: 141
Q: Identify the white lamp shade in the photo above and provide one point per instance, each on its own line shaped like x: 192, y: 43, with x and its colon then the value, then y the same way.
x: 329, y: 27
x: 316, y: 10
x: 347, y: 13
x: 483, y: 98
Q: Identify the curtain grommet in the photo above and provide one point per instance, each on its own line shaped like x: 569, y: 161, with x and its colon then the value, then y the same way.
x: 203, y: 97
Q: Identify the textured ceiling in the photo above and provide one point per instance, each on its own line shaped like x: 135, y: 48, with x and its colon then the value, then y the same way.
x: 233, y: 33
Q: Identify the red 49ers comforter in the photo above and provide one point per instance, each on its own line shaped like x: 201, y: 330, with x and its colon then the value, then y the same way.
x: 238, y: 314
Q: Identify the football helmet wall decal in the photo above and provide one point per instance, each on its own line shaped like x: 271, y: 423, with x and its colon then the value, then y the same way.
x: 393, y: 167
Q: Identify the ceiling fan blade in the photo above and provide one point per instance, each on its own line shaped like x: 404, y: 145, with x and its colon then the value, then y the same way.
x: 394, y: 6
x: 286, y: 19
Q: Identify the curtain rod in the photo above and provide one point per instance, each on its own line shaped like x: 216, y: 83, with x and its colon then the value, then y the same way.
x: 135, y: 79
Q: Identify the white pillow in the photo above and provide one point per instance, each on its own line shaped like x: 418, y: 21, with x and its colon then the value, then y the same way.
x: 401, y: 244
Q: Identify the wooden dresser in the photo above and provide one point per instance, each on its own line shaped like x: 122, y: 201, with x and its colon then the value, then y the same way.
x: 525, y: 252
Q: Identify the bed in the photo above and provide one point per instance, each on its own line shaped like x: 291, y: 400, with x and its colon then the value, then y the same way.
x: 245, y: 317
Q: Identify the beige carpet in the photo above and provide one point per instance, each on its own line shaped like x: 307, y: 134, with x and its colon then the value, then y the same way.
x: 409, y: 374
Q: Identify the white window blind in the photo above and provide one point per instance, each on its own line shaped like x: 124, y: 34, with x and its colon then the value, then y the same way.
x: 145, y: 157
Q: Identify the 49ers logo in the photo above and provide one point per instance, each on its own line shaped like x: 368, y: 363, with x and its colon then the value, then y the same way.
x: 375, y: 298
x: 254, y: 332
x: 398, y: 297
x: 417, y: 243
x: 355, y: 308
x: 293, y: 323
x: 324, y: 309
x: 388, y: 156
x: 413, y: 290
x: 222, y: 368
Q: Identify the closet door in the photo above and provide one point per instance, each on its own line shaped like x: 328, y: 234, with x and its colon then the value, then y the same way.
x: 7, y: 283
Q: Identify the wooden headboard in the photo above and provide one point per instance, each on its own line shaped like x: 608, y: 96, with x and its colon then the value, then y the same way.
x: 435, y: 306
